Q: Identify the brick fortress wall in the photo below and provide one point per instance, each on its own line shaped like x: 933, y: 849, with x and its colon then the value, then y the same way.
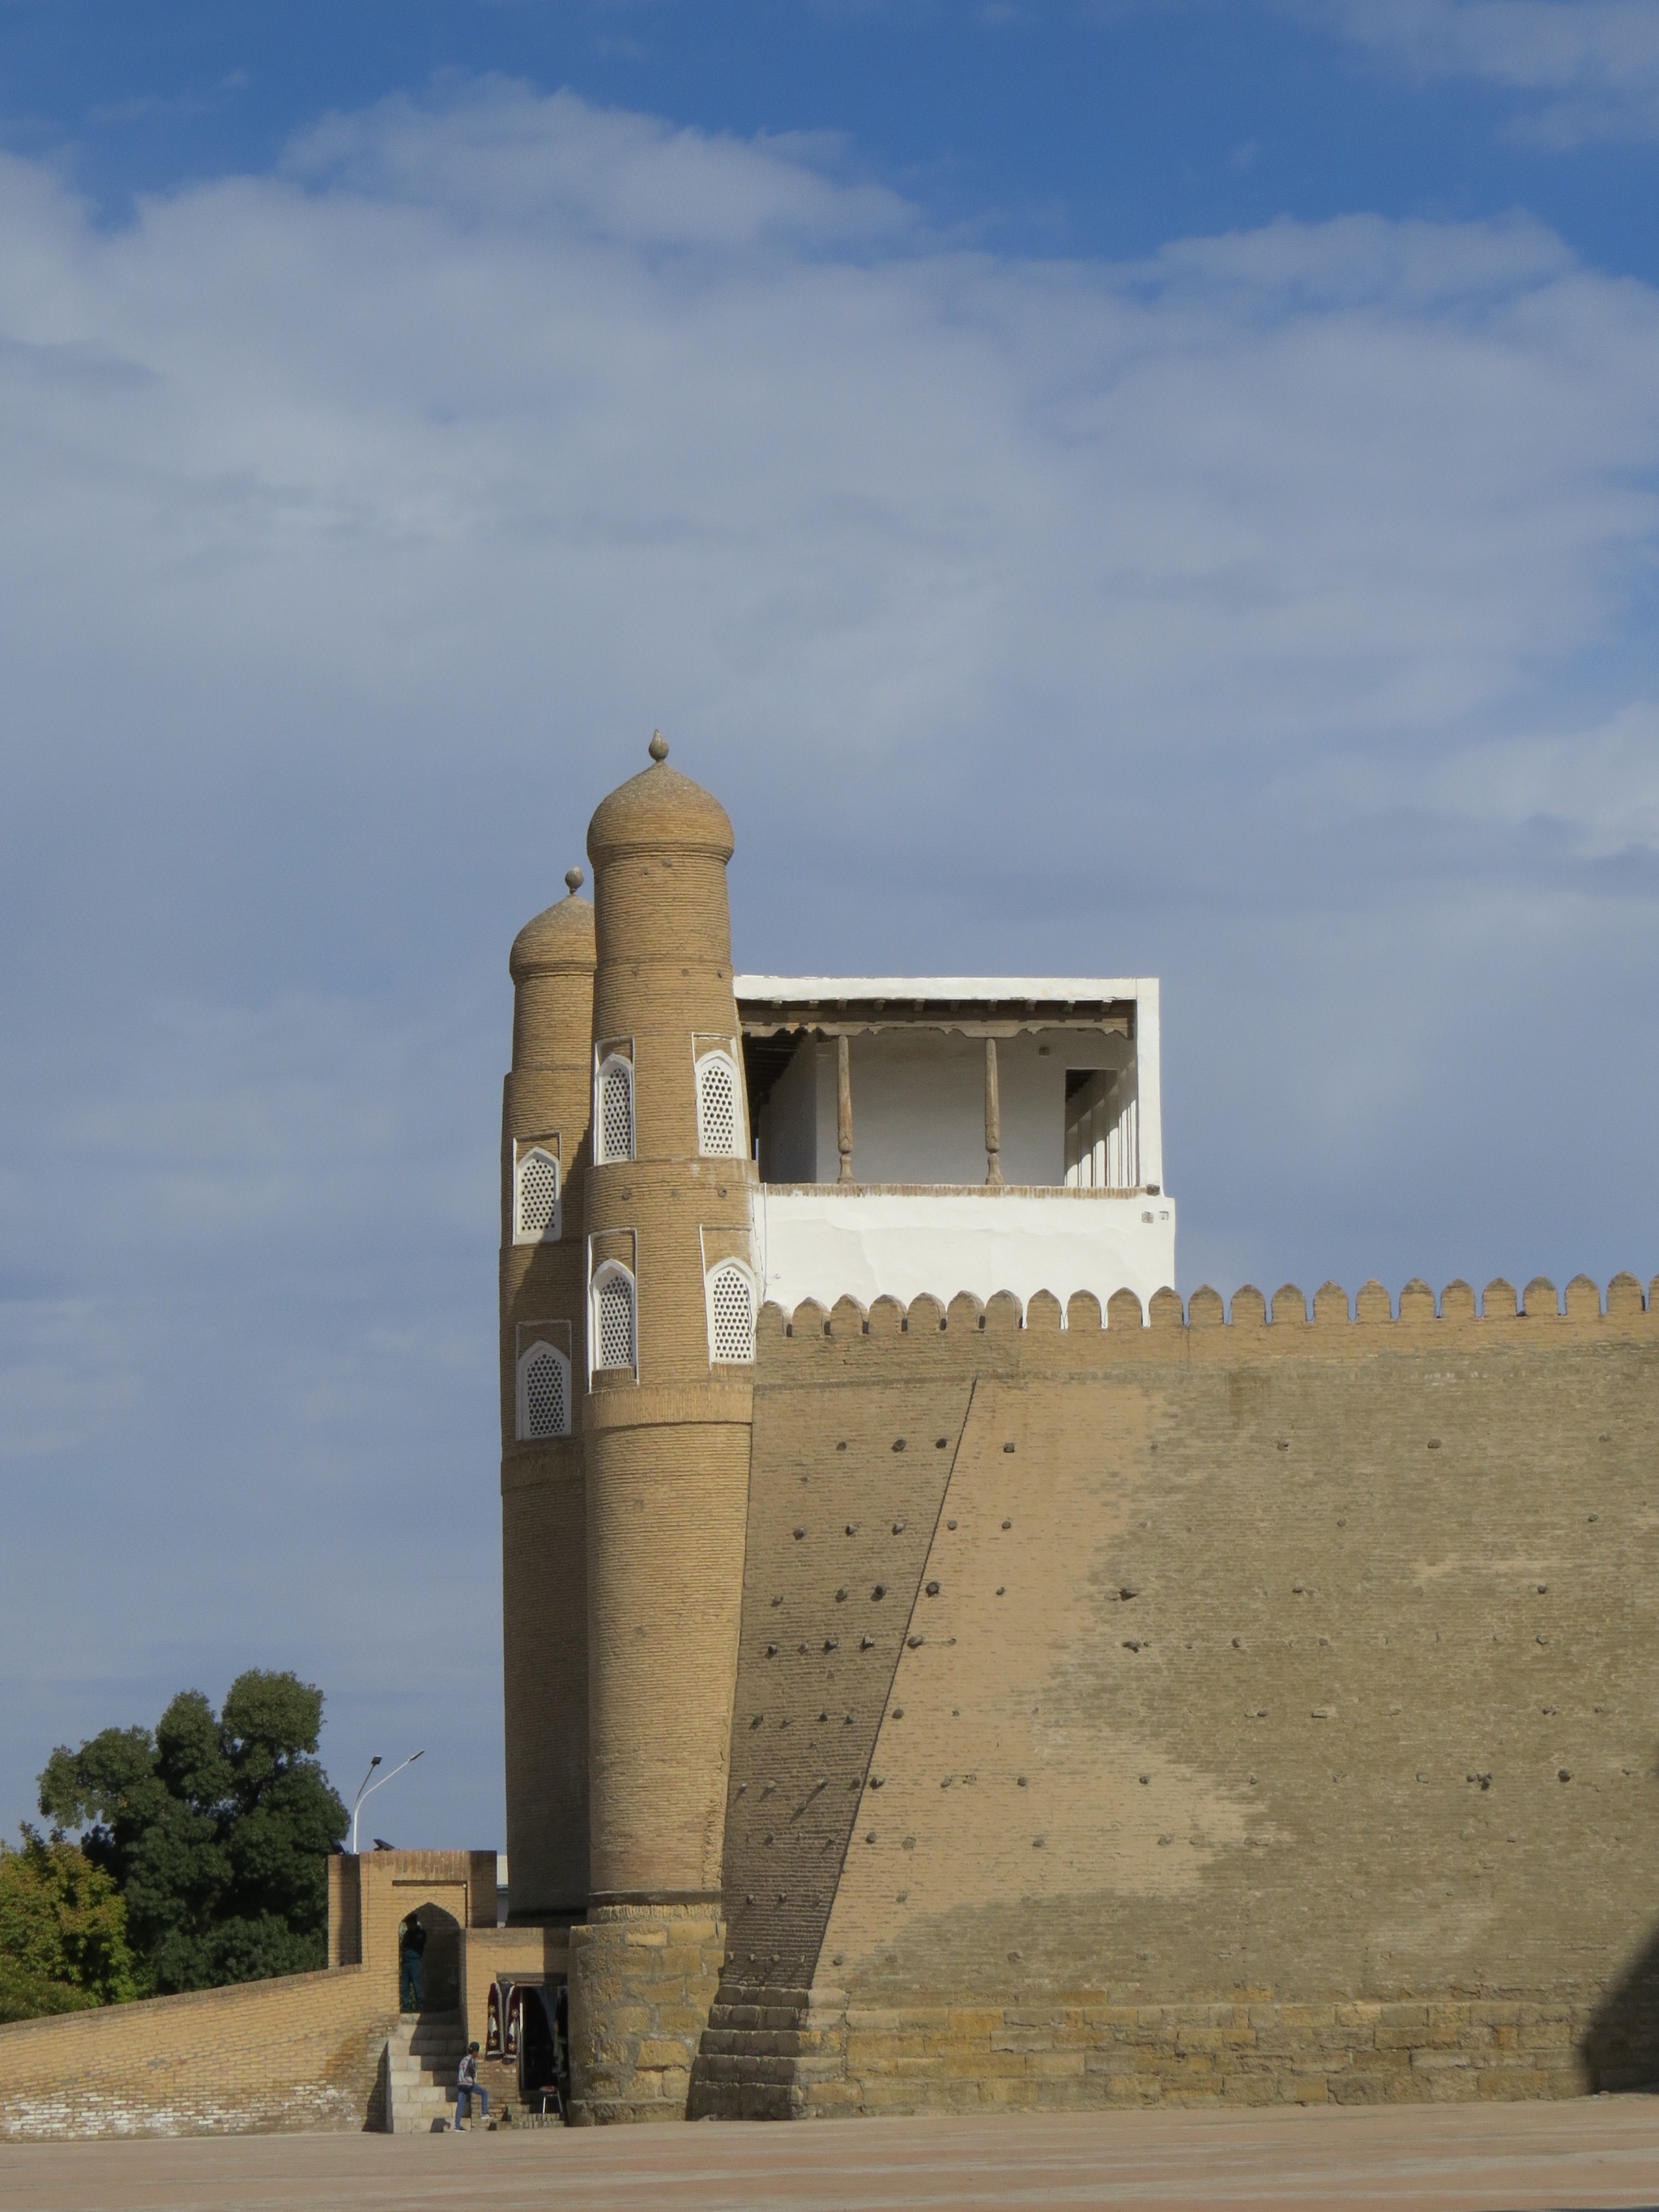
x: 1239, y: 1711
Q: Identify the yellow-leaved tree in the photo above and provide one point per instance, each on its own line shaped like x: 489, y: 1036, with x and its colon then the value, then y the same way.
x: 63, y: 1931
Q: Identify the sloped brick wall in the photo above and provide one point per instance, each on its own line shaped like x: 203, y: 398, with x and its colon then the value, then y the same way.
x: 1272, y: 1714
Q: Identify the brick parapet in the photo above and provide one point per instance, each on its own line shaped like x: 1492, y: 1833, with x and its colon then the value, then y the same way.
x: 813, y: 1342
x: 299, y: 2053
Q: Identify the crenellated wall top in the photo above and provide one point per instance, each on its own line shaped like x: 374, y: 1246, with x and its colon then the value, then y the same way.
x: 1330, y: 1320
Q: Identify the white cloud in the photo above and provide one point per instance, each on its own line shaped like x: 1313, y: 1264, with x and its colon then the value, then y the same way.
x: 1596, y: 791
x: 1597, y: 62
x: 1199, y: 616
x: 498, y: 157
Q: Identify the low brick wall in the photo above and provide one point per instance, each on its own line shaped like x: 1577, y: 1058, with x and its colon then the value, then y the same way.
x: 773, y: 2053
x: 299, y: 2052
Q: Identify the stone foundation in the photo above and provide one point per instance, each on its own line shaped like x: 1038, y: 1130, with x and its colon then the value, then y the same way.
x: 766, y: 2052
x: 643, y: 1980
x: 777, y: 2053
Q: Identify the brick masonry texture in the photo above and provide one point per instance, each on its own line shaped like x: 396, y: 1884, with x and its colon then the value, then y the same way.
x: 1266, y: 1711
x: 299, y: 2052
x: 546, y: 1101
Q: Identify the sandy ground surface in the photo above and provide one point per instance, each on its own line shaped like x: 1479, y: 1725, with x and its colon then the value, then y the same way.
x: 1598, y: 2152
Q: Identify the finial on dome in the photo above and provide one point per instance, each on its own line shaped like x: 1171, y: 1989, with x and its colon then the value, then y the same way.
x: 574, y: 880
x: 658, y: 747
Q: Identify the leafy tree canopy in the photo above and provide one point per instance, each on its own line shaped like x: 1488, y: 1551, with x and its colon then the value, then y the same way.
x: 216, y: 1830
x: 63, y: 1931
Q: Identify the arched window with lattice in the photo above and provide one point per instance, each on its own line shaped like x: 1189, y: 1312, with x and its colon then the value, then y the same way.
x: 543, y: 1393
x: 613, y: 1110
x: 536, y: 1198
x: 720, y: 1116
x: 612, y: 1328
x: 731, y: 1289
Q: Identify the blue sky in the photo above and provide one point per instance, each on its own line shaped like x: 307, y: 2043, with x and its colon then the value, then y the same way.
x: 1164, y: 487
x: 1058, y: 126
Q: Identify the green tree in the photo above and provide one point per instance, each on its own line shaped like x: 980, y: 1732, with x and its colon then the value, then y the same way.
x: 216, y: 1830
x: 63, y: 1931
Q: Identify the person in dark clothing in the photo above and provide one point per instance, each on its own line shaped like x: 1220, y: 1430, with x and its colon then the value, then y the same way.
x: 561, y: 2043
x: 411, y: 1943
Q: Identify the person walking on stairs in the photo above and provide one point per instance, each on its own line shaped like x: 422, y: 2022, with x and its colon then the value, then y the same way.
x: 466, y: 2087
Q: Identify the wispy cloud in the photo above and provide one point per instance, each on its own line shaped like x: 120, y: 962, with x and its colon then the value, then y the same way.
x: 1590, y: 67
x: 490, y: 152
x: 1272, y: 613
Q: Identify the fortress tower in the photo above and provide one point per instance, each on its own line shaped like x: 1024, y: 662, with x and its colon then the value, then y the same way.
x: 544, y: 1146
x: 671, y: 1291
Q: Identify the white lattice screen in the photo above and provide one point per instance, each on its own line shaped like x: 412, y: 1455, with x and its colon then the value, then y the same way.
x: 545, y: 1394
x: 613, y: 1335
x: 718, y: 1123
x: 538, y: 1198
x: 616, y: 1111
x: 731, y: 1315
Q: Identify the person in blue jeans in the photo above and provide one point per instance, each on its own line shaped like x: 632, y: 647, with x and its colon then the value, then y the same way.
x: 466, y: 2086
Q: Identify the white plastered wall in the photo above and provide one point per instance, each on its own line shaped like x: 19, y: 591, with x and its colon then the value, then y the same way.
x: 826, y: 1243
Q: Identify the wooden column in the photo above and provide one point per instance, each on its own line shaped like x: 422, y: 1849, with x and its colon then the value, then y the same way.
x: 993, y: 1115
x: 844, y: 1106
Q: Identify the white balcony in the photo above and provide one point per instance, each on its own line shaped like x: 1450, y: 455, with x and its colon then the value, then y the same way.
x: 826, y: 1241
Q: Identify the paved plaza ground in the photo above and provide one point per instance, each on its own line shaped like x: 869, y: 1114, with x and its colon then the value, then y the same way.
x: 1602, y: 2152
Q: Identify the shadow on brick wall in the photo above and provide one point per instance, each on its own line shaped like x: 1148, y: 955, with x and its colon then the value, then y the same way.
x: 377, y: 2120
x: 1621, y: 2047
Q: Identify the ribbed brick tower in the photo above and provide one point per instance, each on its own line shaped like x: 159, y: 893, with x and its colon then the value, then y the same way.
x: 544, y: 1148
x: 667, y: 1443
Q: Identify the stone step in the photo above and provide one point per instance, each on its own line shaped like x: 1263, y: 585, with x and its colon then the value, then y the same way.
x: 423, y: 2055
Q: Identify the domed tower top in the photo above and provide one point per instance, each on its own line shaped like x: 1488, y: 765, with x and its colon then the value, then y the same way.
x: 660, y: 844
x: 558, y: 941
x: 551, y: 964
x: 659, y: 808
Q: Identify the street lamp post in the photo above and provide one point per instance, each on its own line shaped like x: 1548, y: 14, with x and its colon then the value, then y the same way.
x: 367, y: 1786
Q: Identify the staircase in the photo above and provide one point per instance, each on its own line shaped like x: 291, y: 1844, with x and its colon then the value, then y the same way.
x: 422, y: 2054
